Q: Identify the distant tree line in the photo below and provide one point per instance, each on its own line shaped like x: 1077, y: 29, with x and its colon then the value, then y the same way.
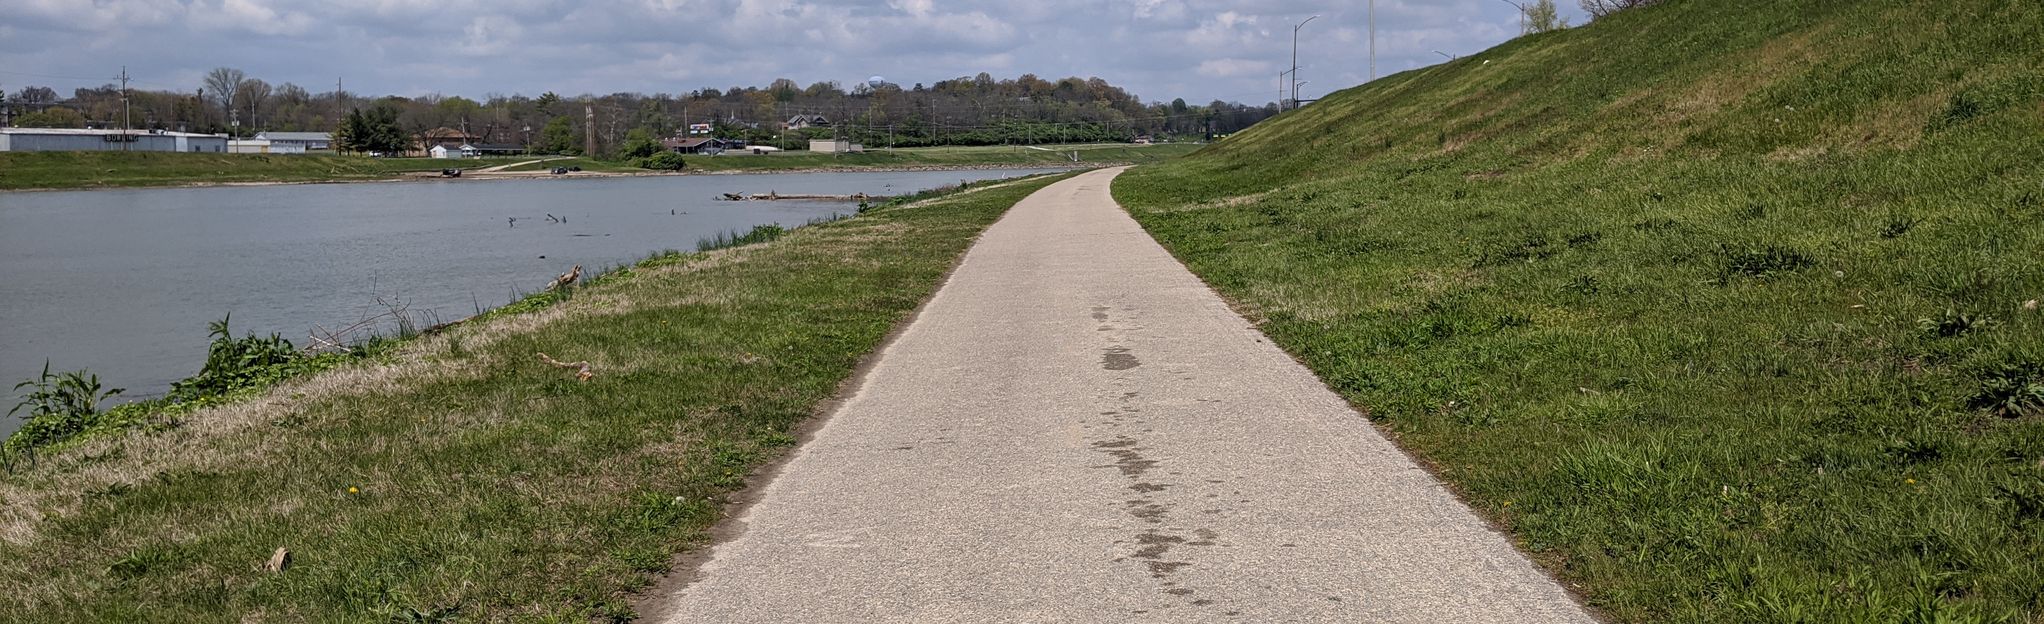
x: 976, y: 110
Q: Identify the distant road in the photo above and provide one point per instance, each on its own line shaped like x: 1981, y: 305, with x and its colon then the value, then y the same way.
x: 1076, y: 429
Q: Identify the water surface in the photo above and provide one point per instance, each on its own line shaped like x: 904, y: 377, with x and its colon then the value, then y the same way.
x: 123, y: 282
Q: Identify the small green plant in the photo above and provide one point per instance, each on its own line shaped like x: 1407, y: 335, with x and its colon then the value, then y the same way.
x: 1899, y: 224
x: 59, y: 405
x: 759, y: 234
x: 71, y: 393
x: 1953, y: 323
x: 2011, y: 390
x: 235, y: 363
x: 1764, y: 261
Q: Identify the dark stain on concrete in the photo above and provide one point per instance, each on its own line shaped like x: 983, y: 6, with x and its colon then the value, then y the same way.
x: 1160, y: 569
x: 1100, y: 313
x: 1118, y: 359
x: 1148, y: 487
x: 1155, y: 544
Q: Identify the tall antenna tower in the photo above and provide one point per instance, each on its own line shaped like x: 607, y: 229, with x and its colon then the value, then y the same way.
x: 1373, y: 40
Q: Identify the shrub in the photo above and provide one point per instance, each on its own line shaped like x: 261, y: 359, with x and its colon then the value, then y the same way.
x: 664, y: 161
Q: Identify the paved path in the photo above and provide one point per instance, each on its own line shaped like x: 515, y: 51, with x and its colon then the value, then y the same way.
x: 1077, y: 430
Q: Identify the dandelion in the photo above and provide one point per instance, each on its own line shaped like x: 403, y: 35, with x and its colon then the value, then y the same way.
x: 1508, y: 503
x: 1909, y: 481
x: 353, y: 490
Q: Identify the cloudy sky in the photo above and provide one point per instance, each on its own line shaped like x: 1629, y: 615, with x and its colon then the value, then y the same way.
x: 1200, y: 50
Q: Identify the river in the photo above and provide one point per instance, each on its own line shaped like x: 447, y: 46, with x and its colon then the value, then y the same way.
x: 123, y: 282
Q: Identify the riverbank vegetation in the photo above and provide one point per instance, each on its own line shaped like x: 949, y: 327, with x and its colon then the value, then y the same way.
x: 82, y: 170
x: 1726, y: 311
x: 77, y: 170
x: 462, y: 475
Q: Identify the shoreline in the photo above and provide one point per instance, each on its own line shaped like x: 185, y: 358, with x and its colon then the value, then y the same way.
x: 469, y: 176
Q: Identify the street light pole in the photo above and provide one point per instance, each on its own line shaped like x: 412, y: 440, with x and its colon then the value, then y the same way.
x: 1295, y: 59
x: 1522, y: 14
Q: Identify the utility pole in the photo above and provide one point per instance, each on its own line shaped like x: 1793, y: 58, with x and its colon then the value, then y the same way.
x: 1295, y: 59
x: 127, y: 117
x: 589, y: 130
x: 340, y: 101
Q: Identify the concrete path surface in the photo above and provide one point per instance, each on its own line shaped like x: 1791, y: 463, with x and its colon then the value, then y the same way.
x: 1076, y: 429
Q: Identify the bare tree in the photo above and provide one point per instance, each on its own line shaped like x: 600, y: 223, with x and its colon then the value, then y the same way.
x: 1601, y: 8
x: 225, y: 82
x: 37, y: 95
x: 253, y: 92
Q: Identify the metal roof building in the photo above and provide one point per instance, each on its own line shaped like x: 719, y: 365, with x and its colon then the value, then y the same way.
x: 87, y: 140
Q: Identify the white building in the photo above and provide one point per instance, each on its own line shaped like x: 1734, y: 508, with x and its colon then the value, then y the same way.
x: 444, y: 151
x: 86, y: 140
x: 261, y: 145
x: 303, y: 141
x: 836, y: 147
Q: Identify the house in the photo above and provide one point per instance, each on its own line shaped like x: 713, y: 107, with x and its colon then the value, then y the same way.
x: 700, y: 145
x: 302, y: 140
x: 89, y: 140
x: 479, y: 150
x: 444, y: 151
x: 445, y: 136
x: 836, y: 147
x: 259, y: 145
x: 799, y: 122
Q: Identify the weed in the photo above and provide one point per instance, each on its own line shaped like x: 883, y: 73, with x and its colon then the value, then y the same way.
x: 1953, y: 323
x: 1762, y: 261
x: 2010, y: 390
x: 1898, y: 224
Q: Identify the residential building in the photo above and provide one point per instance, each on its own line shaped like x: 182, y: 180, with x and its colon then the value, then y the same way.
x: 799, y: 122
x: 700, y: 145
x: 445, y: 136
x: 89, y: 140
x: 444, y: 151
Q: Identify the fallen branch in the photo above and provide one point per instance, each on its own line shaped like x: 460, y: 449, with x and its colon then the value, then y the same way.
x: 565, y: 279
x: 582, y: 372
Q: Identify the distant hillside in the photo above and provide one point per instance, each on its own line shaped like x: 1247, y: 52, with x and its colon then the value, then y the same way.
x: 1726, y: 310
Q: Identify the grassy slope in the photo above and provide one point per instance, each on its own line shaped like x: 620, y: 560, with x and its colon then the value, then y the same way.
x: 463, y: 477
x: 1705, y: 303
x: 64, y: 170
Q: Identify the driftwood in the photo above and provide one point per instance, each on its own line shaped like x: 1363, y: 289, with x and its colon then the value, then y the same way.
x: 566, y: 279
x: 278, y: 560
x: 582, y: 372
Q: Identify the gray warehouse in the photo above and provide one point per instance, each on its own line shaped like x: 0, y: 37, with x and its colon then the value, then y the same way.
x: 81, y: 140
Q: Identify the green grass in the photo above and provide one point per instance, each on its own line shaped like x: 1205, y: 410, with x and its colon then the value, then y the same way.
x: 1717, y: 307
x: 72, y: 170
x: 458, y: 477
